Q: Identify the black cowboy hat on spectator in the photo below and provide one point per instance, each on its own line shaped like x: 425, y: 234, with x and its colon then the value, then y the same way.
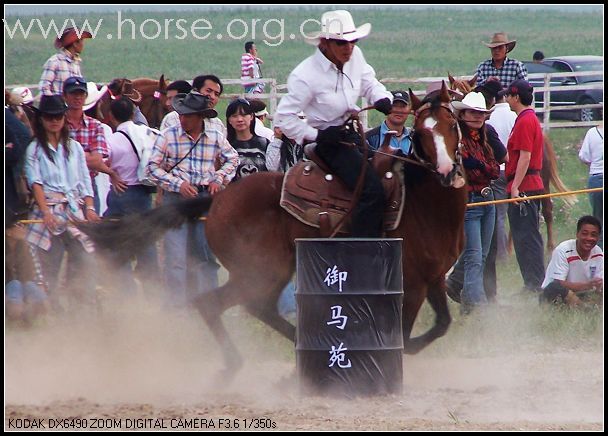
x: 401, y: 96
x: 74, y: 83
x: 193, y: 103
x: 70, y: 36
x: 519, y: 87
x: 51, y: 105
x: 181, y: 86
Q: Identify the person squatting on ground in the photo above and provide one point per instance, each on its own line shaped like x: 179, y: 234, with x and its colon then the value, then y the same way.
x: 576, y: 267
x: 183, y: 165
x: 326, y: 87
x: 58, y: 176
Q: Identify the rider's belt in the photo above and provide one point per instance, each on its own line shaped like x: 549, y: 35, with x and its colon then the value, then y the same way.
x: 528, y: 173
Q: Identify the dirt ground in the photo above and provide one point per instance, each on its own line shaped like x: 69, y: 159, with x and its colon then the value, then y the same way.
x: 154, y: 369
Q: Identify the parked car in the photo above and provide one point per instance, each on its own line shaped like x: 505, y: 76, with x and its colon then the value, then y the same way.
x: 575, y: 97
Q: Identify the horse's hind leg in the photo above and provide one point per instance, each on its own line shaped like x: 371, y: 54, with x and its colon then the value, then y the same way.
x: 547, y: 211
x: 211, y: 305
x: 437, y: 298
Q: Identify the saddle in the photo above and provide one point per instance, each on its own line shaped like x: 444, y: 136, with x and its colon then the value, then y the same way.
x: 319, y: 199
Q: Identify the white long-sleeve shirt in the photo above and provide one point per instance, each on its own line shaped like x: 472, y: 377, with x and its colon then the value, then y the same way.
x: 592, y: 150
x: 326, y: 94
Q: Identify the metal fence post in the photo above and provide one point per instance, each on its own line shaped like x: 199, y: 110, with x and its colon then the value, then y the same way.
x: 546, y: 104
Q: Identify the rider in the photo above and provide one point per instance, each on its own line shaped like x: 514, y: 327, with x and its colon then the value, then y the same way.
x: 326, y: 87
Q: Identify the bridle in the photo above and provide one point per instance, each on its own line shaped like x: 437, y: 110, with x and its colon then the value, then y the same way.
x: 421, y: 160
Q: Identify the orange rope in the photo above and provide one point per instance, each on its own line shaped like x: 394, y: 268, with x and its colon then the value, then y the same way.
x: 534, y: 197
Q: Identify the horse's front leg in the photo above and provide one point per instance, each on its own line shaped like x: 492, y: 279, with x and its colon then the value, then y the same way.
x: 436, y: 294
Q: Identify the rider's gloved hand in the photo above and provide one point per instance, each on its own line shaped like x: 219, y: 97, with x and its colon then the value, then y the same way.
x: 384, y: 105
x: 332, y: 135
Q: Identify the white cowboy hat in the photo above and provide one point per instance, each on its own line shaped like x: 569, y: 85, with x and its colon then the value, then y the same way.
x: 21, y: 95
x: 339, y: 25
x: 472, y: 101
x: 93, y: 95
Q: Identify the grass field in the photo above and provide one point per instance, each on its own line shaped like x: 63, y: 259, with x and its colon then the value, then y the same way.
x: 403, y: 43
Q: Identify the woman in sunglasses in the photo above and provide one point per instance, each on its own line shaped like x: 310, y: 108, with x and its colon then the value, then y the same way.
x: 58, y: 176
x: 326, y: 87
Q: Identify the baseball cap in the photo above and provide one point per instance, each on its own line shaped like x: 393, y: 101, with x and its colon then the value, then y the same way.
x: 74, y: 83
x: 401, y: 96
x: 518, y: 87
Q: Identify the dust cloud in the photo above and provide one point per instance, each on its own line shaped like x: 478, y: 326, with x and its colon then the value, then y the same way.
x: 138, y: 360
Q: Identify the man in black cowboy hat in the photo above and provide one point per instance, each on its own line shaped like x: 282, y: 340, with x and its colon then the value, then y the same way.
x: 499, y: 66
x: 183, y: 165
x: 65, y: 63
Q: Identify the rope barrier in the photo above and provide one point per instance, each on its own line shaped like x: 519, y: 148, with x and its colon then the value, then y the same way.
x: 534, y: 197
x: 482, y: 203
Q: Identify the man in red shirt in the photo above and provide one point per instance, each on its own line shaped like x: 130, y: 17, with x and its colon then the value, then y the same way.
x: 525, y: 149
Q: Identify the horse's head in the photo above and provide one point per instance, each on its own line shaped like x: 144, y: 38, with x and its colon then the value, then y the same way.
x: 462, y: 85
x: 154, y: 97
x: 436, y: 136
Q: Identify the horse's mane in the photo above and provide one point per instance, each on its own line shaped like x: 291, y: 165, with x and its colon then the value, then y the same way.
x: 145, y: 81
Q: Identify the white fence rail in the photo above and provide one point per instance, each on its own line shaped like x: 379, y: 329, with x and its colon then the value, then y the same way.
x: 276, y: 91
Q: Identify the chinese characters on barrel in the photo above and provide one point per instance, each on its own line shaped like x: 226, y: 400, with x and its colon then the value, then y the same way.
x: 337, y: 354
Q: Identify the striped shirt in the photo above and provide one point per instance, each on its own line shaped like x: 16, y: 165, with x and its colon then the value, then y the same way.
x: 57, y: 69
x: 198, y: 168
x: 59, y: 177
x: 566, y: 264
x: 248, y: 62
x: 511, y: 70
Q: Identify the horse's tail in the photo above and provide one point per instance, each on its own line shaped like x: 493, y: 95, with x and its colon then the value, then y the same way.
x: 550, y: 162
x: 129, y: 234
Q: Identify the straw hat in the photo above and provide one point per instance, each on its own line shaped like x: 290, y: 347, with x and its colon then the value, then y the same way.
x: 499, y: 39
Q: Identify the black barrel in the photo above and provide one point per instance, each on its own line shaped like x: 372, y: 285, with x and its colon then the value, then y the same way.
x: 349, y: 295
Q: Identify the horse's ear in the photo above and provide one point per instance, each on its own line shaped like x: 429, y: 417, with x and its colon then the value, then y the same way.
x: 445, y: 96
x: 414, y: 101
x: 473, y: 81
x: 451, y: 79
x: 161, y: 82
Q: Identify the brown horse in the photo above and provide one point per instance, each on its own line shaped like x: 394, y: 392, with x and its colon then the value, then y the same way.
x: 253, y: 237
x: 548, y: 172
x: 152, y: 104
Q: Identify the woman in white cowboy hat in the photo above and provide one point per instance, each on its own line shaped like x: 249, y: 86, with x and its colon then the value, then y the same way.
x: 500, y: 66
x: 326, y: 87
x: 480, y: 169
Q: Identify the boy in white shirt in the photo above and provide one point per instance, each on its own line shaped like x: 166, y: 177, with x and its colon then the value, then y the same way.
x: 577, y: 265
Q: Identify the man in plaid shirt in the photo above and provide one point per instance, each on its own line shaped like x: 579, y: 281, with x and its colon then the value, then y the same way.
x: 183, y: 165
x: 64, y: 64
x: 89, y: 133
x: 505, y: 69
